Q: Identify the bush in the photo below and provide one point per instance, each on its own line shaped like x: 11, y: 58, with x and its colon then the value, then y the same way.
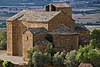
x: 3, y: 39
x: 49, y: 49
x: 7, y: 64
x: 95, y: 60
x: 83, y: 54
x: 1, y: 61
x: 95, y: 37
x: 58, y: 60
x: 87, y: 54
x: 3, y: 45
x: 31, y: 51
x: 38, y: 59
x: 70, y: 59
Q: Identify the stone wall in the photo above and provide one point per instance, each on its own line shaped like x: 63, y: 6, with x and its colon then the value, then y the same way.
x: 42, y: 47
x: 38, y: 37
x: 14, y: 37
x: 17, y: 38
x: 61, y: 19
x: 9, y: 38
x: 35, y: 24
x: 65, y: 42
x: 27, y: 38
x: 66, y: 10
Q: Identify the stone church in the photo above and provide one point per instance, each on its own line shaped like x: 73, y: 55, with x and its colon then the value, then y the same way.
x: 54, y: 25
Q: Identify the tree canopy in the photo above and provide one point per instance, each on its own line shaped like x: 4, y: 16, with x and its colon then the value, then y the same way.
x: 95, y: 37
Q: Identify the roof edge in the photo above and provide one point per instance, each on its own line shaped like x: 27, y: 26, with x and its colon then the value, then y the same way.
x: 16, y: 16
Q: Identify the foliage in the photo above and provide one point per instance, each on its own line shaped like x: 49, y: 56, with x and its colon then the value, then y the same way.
x: 82, y: 54
x: 31, y: 51
x: 30, y: 54
x: 3, y: 39
x: 70, y: 60
x: 38, y: 59
x: 88, y: 54
x: 58, y: 60
x: 95, y: 36
x: 1, y: 61
x: 7, y: 64
x: 95, y: 60
x: 49, y: 49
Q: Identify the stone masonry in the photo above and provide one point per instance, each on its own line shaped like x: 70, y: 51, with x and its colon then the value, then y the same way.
x: 54, y: 26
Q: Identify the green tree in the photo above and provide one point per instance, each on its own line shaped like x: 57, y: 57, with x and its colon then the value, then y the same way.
x: 82, y: 54
x: 30, y: 54
x: 88, y: 54
x: 49, y: 50
x: 37, y: 58
x: 3, y: 38
x: 70, y: 59
x: 95, y: 36
x: 58, y: 60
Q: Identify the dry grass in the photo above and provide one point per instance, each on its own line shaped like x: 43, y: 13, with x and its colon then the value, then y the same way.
x: 87, y: 17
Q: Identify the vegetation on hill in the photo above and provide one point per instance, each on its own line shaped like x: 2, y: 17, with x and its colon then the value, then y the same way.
x: 3, y: 39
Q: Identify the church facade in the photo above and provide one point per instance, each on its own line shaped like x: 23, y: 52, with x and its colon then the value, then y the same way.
x: 54, y: 25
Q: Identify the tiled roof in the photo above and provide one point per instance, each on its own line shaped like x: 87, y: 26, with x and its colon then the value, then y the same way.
x: 42, y: 42
x: 17, y: 16
x: 40, y: 30
x: 84, y: 39
x: 63, y: 29
x: 34, y: 16
x: 81, y: 28
x: 39, y: 16
x: 60, y: 4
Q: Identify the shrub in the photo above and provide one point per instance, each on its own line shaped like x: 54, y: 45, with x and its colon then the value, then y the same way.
x: 31, y: 51
x: 49, y: 50
x: 95, y: 36
x: 3, y: 45
x: 83, y: 54
x: 38, y: 59
x: 89, y: 55
x: 1, y: 61
x: 70, y: 59
x: 58, y: 60
x: 95, y: 57
x: 3, y: 39
x: 7, y: 64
